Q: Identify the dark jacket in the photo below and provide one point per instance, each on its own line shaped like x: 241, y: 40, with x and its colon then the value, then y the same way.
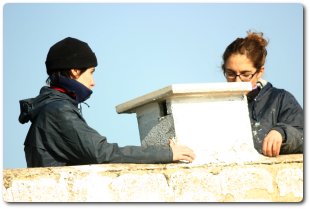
x: 276, y: 109
x: 59, y: 136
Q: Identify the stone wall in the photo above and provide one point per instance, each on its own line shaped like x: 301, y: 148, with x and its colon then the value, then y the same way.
x: 270, y: 180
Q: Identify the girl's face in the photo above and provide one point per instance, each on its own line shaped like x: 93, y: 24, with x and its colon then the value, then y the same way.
x: 238, y: 68
x: 85, y: 78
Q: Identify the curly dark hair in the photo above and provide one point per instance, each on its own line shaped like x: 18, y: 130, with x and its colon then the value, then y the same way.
x: 253, y: 46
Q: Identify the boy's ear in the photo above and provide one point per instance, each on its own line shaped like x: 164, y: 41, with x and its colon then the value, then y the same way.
x: 74, y: 73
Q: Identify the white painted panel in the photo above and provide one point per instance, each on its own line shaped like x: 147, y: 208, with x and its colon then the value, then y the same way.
x: 218, y: 129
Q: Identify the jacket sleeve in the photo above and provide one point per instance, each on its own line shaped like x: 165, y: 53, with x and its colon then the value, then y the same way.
x: 290, y: 123
x: 80, y: 144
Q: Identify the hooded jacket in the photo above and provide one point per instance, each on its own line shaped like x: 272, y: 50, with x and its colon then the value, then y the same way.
x: 276, y: 109
x: 59, y: 136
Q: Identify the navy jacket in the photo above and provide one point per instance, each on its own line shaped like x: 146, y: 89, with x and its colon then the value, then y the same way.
x: 59, y: 136
x: 276, y: 109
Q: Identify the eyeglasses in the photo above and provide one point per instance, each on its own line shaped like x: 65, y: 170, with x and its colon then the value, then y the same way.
x: 232, y: 76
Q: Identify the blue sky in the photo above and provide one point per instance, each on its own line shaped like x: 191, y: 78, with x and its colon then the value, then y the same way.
x: 139, y: 48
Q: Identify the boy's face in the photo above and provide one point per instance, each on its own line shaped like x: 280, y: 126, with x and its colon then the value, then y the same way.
x: 87, y: 78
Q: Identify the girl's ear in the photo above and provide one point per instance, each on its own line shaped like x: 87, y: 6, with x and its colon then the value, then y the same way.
x: 261, y: 72
x: 74, y: 73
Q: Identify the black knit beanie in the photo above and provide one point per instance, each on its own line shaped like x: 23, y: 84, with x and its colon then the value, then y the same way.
x: 70, y: 53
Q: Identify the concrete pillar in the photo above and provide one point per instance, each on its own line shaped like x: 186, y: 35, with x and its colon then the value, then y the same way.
x: 211, y: 118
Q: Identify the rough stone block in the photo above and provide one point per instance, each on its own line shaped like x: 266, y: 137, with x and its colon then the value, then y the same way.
x: 290, y: 181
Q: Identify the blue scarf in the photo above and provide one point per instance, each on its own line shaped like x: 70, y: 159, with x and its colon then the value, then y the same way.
x: 73, y: 88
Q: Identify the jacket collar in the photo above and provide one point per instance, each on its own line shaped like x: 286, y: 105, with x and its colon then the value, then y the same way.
x: 262, y: 87
x: 71, y: 87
